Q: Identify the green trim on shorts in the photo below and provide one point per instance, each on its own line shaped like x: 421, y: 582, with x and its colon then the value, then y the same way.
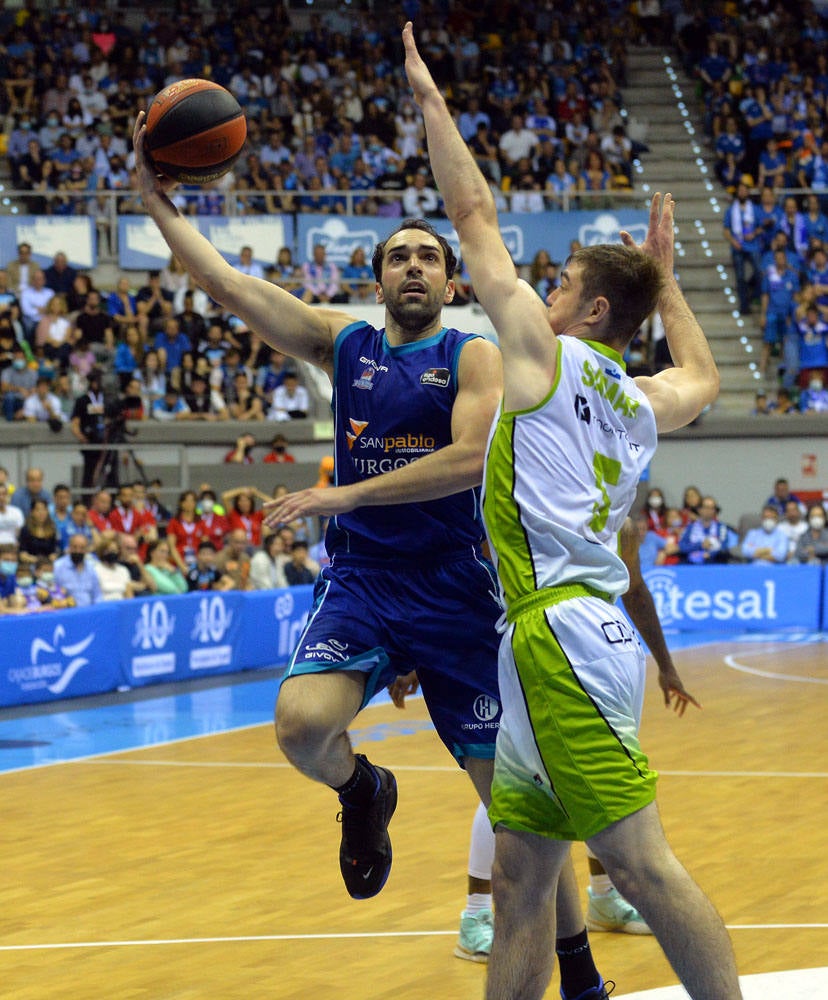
x: 597, y: 776
x: 547, y: 596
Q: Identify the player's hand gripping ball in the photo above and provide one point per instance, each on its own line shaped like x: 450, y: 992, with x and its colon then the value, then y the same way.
x: 195, y: 131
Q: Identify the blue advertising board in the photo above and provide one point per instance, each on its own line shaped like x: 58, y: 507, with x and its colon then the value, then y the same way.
x: 141, y: 245
x: 523, y: 234
x: 60, y: 654
x: 741, y: 598
x: 175, y: 638
x: 83, y: 651
x: 49, y: 234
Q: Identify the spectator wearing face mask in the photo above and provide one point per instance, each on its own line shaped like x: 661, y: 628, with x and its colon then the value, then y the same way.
x: 812, y: 546
x: 671, y: 533
x: 768, y: 543
x: 114, y: 578
x: 794, y: 524
x: 44, y: 593
x: 8, y: 573
x: 75, y: 573
x: 17, y: 383
x: 37, y: 591
x: 279, y: 451
x: 655, y: 508
x: 814, y: 399
x: 213, y: 525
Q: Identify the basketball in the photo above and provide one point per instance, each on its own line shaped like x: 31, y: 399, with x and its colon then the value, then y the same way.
x: 195, y: 131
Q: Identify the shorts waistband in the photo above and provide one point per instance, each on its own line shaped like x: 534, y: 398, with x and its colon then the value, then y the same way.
x: 548, y: 596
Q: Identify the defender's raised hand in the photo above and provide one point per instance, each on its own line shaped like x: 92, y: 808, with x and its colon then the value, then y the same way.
x: 421, y: 80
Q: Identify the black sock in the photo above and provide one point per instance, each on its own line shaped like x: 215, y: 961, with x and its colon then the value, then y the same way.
x: 362, y: 787
x: 578, y: 972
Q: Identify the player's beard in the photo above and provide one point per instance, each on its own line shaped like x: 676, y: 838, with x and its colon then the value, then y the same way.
x: 414, y: 315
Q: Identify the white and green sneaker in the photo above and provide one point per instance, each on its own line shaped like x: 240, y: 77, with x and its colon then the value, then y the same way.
x: 476, y: 933
x: 611, y: 912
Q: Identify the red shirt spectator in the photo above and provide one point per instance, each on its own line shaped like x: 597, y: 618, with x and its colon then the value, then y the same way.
x: 279, y: 450
x: 213, y: 528
x: 100, y: 511
x: 127, y: 519
x: 245, y: 516
x: 183, y: 529
x: 251, y: 524
x: 242, y: 453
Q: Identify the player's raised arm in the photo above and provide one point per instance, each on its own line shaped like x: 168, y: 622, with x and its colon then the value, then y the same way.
x: 468, y: 201
x: 517, y: 312
x: 679, y: 394
x: 285, y: 322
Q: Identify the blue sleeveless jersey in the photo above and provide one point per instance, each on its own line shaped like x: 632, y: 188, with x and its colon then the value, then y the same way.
x: 391, y: 406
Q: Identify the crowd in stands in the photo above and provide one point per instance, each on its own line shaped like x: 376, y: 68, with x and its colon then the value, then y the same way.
x: 537, y: 93
x: 784, y: 530
x: 60, y: 549
x: 331, y: 125
x: 761, y: 72
x: 163, y: 351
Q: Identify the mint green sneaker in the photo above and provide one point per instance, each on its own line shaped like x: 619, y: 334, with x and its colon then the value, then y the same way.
x: 611, y: 912
x: 476, y: 933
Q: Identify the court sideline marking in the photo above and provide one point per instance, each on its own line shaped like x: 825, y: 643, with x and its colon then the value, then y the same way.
x: 253, y: 938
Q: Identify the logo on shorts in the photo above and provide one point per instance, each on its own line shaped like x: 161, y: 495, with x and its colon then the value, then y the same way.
x: 436, y: 376
x: 333, y: 651
x: 485, y: 707
x: 617, y: 631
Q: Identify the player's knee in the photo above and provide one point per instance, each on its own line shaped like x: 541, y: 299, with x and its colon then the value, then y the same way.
x: 302, y: 730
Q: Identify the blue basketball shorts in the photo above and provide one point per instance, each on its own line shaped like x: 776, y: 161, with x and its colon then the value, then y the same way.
x: 439, y: 620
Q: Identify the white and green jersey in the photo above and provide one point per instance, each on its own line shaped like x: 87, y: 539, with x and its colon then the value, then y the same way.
x: 561, y: 477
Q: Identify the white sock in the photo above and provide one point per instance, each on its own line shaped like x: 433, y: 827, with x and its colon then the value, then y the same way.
x: 481, y: 859
x: 482, y: 845
x: 478, y: 901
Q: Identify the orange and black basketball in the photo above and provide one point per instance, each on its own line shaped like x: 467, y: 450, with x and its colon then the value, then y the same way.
x: 195, y: 131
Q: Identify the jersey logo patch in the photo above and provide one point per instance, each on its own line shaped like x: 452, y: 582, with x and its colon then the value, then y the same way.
x: 357, y: 427
x: 582, y: 409
x: 365, y: 380
x: 436, y: 376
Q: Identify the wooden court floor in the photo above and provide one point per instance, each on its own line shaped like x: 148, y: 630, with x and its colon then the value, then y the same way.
x: 208, y: 868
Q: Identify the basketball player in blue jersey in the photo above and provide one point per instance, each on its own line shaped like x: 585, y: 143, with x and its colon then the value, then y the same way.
x: 563, y: 460
x: 407, y: 587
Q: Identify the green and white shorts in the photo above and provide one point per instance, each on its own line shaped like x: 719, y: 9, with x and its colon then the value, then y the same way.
x: 571, y: 675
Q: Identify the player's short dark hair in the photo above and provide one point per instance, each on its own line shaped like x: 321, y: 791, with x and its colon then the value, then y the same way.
x: 628, y: 279
x: 426, y: 227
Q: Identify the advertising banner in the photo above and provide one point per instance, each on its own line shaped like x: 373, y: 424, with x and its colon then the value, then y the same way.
x: 176, y: 638
x: 82, y: 651
x: 173, y: 638
x: 141, y: 246
x: 59, y: 654
x: 47, y: 235
x: 742, y: 598
x: 523, y: 234
x: 273, y: 622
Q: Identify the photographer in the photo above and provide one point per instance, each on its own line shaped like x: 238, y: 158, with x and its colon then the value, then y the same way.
x: 98, y: 420
x: 88, y: 423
